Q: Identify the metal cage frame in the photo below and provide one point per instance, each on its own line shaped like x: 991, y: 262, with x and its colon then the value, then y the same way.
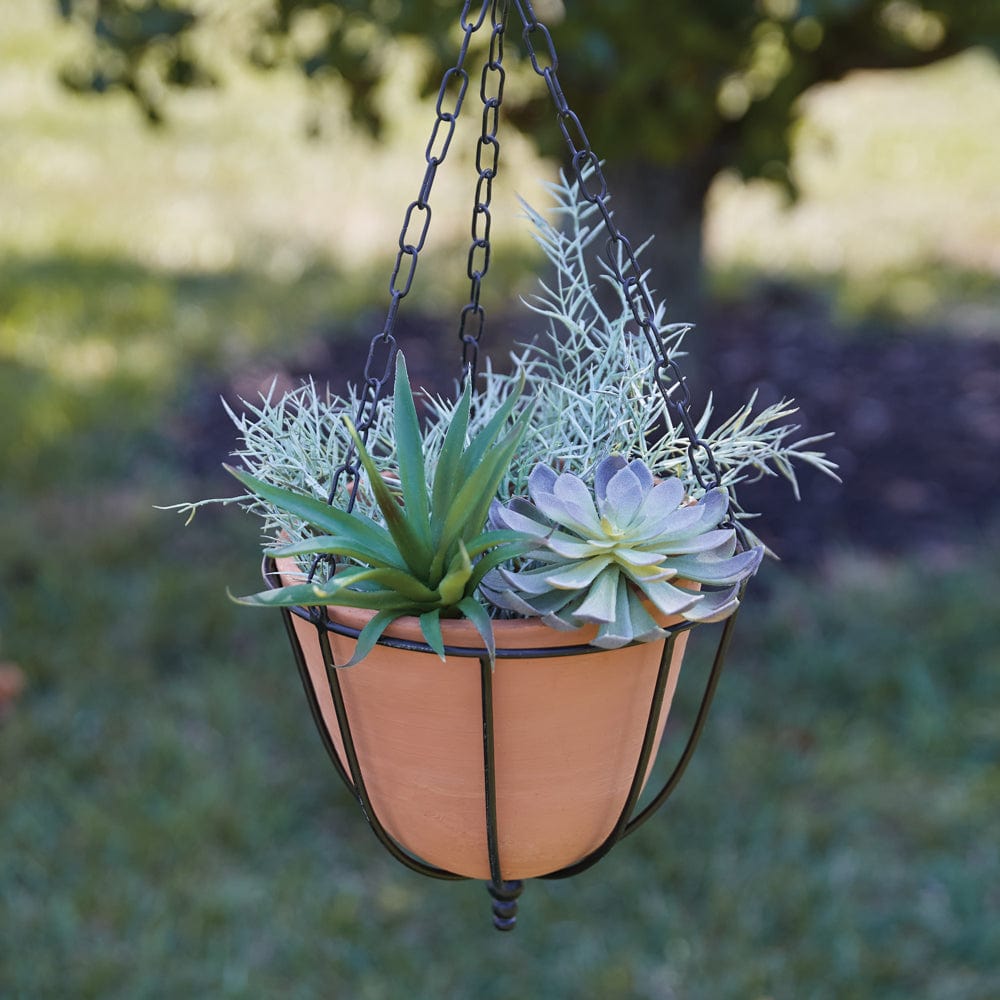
x: 504, y: 892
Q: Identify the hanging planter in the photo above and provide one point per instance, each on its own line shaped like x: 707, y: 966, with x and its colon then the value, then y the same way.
x: 568, y: 725
x: 489, y: 608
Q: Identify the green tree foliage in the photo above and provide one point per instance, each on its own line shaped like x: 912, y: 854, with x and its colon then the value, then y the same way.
x: 708, y: 83
x: 669, y: 93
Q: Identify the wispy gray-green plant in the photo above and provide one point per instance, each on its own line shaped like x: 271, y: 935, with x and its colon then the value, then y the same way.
x: 593, y: 381
x: 430, y: 553
x: 297, y: 441
x: 593, y: 391
x: 600, y: 556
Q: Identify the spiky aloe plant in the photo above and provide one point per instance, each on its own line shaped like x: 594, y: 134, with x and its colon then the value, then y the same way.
x: 433, y: 551
x: 598, y: 555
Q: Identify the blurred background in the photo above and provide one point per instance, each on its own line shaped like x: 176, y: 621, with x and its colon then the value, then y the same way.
x: 198, y: 198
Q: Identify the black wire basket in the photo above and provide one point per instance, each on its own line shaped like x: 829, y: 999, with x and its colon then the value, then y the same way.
x: 466, y: 730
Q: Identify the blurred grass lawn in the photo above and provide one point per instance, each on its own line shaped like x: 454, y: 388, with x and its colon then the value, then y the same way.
x: 901, y: 208
x: 168, y: 823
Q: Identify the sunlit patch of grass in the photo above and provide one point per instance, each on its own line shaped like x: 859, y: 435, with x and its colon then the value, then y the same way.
x: 92, y: 351
x: 899, y: 197
x: 232, y: 181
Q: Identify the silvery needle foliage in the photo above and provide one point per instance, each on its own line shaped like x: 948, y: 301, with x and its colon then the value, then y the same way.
x: 593, y: 382
x: 599, y: 555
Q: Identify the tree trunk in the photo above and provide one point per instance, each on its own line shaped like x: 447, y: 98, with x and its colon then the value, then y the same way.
x: 666, y: 202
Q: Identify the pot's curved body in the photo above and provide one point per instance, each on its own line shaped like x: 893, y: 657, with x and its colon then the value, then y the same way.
x: 568, y: 732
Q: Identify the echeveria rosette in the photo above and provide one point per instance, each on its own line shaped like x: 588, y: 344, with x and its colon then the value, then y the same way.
x: 599, y: 555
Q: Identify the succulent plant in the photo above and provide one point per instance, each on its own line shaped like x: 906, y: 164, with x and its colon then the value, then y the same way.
x: 432, y: 552
x: 601, y: 556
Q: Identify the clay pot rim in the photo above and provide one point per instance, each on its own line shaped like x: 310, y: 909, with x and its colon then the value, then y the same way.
x: 513, y: 636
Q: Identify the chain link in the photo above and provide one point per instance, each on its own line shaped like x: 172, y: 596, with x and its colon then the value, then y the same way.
x: 473, y: 316
x: 382, y: 350
x: 412, y: 238
x: 593, y: 185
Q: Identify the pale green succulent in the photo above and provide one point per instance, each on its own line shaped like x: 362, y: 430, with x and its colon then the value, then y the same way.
x: 601, y: 556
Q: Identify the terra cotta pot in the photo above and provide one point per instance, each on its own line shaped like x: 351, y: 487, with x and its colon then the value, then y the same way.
x: 568, y: 732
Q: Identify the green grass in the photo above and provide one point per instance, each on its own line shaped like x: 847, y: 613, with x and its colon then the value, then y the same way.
x: 169, y: 825
x: 95, y: 353
x: 232, y: 181
x: 898, y: 214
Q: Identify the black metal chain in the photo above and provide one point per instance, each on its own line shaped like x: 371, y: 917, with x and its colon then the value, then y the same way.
x: 491, y: 85
x: 618, y: 252
x: 589, y: 174
x: 412, y: 237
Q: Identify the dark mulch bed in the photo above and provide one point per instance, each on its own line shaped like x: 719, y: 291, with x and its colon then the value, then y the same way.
x: 916, y: 415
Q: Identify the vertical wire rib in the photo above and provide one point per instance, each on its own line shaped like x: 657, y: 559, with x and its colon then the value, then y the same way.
x: 360, y: 791
x: 489, y: 771
x: 504, y: 893
x: 645, y: 753
x: 699, y: 724
x: 314, y: 709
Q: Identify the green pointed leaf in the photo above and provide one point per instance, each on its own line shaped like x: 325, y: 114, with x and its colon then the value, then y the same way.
x: 343, y: 546
x: 411, y: 545
x: 293, y: 596
x: 370, y: 635
x: 372, y: 600
x: 309, y: 595
x: 479, y: 617
x: 455, y: 582
x: 502, y: 453
x: 446, y: 479
x: 489, y: 539
x: 470, y: 506
x: 331, y: 520
x: 396, y: 580
x: 482, y: 442
x: 430, y: 625
x: 410, y: 454
x: 496, y: 557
